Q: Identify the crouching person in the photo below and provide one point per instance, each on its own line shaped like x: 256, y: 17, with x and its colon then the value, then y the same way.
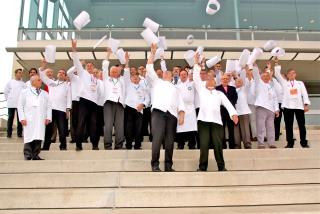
x: 34, y: 111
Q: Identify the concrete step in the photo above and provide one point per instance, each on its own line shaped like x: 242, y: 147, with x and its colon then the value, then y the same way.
x: 159, y: 197
x: 150, y: 179
x: 287, y: 209
x: 178, y: 154
x: 143, y: 165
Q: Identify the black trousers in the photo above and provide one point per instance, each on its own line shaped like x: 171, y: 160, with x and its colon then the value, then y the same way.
x: 277, y: 123
x: 11, y: 112
x: 59, y: 118
x: 100, y: 121
x: 87, y: 116
x: 32, y: 149
x: 197, y: 135
x: 146, y: 123
x: 133, y: 127
x: 74, y: 119
x: 288, y: 120
x: 210, y: 133
x: 164, y: 127
x: 189, y: 137
x: 226, y: 120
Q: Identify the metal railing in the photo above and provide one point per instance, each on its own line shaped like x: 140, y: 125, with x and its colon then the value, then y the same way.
x: 170, y: 33
x: 3, y: 106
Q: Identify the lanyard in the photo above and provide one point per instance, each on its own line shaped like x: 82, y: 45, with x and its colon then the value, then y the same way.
x: 136, y: 87
x: 292, y: 83
x: 114, y: 83
x: 59, y: 83
x: 94, y: 80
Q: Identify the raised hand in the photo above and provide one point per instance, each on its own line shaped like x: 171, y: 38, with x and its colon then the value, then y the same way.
x: 74, y: 45
x: 197, y: 58
x: 127, y: 57
x: 109, y: 51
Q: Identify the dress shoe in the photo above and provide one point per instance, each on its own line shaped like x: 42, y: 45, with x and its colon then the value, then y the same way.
x: 289, y: 146
x: 247, y: 146
x: 261, y: 146
x: 156, y: 169
x: 254, y: 139
x: 222, y: 169
x: 63, y: 149
x: 37, y: 158
x: 9, y: 136
x: 169, y: 170
x: 27, y: 158
x: 306, y: 146
x: 95, y: 148
x: 78, y: 148
x: 201, y: 170
x: 19, y: 135
x: 272, y: 146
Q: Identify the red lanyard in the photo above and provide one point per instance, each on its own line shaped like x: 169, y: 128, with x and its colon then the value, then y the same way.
x: 292, y: 83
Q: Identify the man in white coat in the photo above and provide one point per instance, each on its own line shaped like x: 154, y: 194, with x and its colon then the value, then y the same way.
x: 295, y: 103
x: 34, y: 110
x: 60, y: 98
x: 187, y: 131
x: 11, y: 93
x: 167, y: 111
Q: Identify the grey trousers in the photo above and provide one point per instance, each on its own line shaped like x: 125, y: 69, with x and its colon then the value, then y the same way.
x: 265, y: 123
x: 113, y: 116
x: 32, y: 149
x: 242, y: 132
x: 253, y: 121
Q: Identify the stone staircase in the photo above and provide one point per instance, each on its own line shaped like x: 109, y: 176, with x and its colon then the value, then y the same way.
x: 258, y: 181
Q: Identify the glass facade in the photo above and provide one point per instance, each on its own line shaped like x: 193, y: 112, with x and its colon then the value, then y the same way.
x: 234, y: 14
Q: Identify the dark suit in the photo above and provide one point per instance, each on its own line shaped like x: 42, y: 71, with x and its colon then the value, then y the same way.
x: 232, y: 95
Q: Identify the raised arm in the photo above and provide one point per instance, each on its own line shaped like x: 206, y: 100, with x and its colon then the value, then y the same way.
x: 76, y: 61
x: 43, y: 75
x: 196, y: 73
x: 163, y: 64
x: 150, y: 67
x: 105, y: 65
x: 71, y: 74
x: 126, y: 74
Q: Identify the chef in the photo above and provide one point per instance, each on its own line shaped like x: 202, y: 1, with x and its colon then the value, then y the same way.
x: 34, y: 110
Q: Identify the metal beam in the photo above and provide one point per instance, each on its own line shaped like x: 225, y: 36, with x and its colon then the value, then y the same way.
x: 143, y: 49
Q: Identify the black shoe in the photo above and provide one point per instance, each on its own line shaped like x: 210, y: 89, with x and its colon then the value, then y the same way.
x: 222, y: 169
x: 37, y: 158
x: 9, y: 136
x: 247, y: 146
x: 78, y: 148
x: 95, y: 148
x: 108, y: 148
x: 201, y: 170
x: 72, y: 141
x: 63, y: 149
x: 306, y: 146
x: 169, y: 170
x: 137, y: 148
x: 19, y: 135
x: 156, y: 169
x: 27, y: 158
x: 289, y: 146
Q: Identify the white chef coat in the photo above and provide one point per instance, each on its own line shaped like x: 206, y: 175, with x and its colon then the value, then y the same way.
x: 210, y: 101
x: 187, y: 91
x: 266, y: 96
x: 59, y: 92
x: 295, y: 94
x: 89, y: 82
x: 35, y: 109
x: 165, y: 95
x: 75, y: 84
x: 114, y: 88
x: 12, y: 91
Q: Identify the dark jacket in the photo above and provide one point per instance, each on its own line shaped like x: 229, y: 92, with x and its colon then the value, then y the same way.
x: 232, y: 96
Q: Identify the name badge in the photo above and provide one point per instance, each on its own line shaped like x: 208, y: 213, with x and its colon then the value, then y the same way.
x: 293, y: 91
x: 93, y: 87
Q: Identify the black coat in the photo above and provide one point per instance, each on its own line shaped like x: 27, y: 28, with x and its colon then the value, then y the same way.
x: 232, y: 96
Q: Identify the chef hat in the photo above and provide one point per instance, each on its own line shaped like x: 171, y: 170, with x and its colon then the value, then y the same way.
x: 158, y: 54
x: 148, y: 23
x: 82, y: 20
x: 189, y: 57
x: 113, y: 44
x: 278, y: 52
x: 254, y: 55
x: 211, y: 11
x: 270, y: 45
x: 230, y: 66
x: 121, y: 55
x: 162, y: 43
x: 149, y: 36
x: 211, y: 62
x: 99, y: 42
x: 244, y: 58
x: 190, y: 39
x: 50, y: 53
